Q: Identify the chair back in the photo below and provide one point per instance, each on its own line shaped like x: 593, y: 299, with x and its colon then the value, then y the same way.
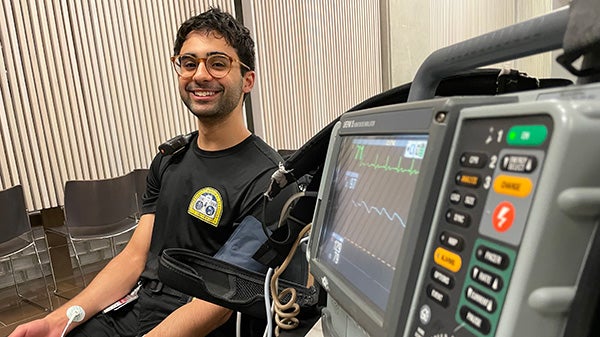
x: 107, y: 204
x: 14, y: 220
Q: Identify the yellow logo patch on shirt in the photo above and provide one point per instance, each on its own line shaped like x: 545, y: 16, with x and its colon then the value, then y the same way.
x: 207, y: 205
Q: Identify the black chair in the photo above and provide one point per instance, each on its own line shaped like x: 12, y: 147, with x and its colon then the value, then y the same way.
x: 16, y: 236
x: 95, y: 210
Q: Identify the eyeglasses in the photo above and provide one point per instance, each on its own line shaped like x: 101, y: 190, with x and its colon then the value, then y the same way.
x: 217, y: 65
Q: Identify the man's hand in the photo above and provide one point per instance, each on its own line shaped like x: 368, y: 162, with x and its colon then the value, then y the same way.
x: 110, y: 284
x: 37, y: 328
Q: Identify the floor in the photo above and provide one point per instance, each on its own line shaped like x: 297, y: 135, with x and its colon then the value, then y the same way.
x: 14, y: 311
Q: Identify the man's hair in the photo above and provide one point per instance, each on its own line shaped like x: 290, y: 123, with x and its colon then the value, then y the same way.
x: 223, y: 25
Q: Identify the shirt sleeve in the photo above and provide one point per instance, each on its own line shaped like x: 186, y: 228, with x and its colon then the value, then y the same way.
x: 152, y: 185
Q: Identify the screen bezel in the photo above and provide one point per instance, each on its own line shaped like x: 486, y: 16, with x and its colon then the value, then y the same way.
x: 401, y: 119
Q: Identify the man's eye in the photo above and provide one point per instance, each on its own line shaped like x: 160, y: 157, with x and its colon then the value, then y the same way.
x: 188, y: 63
x: 218, y: 65
x: 219, y: 62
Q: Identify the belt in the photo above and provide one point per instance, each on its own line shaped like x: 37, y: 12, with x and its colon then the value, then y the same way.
x: 157, y: 287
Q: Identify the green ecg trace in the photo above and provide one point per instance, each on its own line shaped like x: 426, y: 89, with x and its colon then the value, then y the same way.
x: 386, y: 167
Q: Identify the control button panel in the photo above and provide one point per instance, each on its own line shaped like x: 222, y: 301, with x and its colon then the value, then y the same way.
x: 490, y: 185
x: 484, y: 291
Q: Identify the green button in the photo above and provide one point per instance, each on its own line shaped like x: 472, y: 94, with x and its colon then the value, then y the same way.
x: 527, y: 135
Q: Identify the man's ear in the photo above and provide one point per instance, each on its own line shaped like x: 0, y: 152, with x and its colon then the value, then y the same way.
x: 248, y: 79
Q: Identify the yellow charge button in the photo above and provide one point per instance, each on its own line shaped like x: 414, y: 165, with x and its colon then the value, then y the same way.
x: 447, y: 259
x: 514, y: 186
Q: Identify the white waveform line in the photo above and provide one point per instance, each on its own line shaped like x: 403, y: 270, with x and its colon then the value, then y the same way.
x: 383, y: 211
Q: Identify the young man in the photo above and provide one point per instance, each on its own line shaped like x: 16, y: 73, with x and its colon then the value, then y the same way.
x: 194, y: 202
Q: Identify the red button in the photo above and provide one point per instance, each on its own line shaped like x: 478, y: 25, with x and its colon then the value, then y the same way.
x: 503, y: 216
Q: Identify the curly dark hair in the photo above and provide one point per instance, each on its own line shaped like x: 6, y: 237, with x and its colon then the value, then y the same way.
x: 223, y: 24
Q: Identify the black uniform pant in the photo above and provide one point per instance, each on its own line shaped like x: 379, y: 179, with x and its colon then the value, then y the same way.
x: 155, y: 303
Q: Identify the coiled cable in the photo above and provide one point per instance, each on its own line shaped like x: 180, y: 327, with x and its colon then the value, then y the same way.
x: 285, y: 313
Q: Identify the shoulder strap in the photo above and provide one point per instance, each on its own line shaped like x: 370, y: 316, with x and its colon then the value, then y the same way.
x: 173, y: 149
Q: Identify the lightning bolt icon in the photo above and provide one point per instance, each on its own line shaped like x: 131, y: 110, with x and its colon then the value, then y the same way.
x: 501, y: 217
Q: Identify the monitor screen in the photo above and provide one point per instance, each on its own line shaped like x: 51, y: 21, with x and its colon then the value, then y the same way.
x: 372, y: 191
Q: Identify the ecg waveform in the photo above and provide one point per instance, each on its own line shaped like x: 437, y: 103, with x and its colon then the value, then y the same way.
x: 381, y: 211
x: 386, y: 166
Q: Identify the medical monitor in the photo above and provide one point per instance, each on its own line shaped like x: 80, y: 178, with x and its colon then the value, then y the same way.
x: 381, y: 178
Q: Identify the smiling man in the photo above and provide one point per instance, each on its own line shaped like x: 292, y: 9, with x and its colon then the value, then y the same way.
x: 193, y: 200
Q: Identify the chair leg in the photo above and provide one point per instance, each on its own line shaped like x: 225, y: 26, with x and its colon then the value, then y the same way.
x: 12, y: 271
x: 113, y: 246
x: 78, y: 262
x: 21, y: 296
x: 37, y: 254
x: 55, y: 291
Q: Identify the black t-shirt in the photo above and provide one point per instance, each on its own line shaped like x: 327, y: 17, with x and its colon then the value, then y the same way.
x: 200, y: 196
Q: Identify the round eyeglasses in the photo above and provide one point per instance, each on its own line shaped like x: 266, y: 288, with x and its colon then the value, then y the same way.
x: 217, y: 65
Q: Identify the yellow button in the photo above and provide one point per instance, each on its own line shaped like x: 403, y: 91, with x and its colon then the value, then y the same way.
x: 447, y: 259
x: 513, y: 186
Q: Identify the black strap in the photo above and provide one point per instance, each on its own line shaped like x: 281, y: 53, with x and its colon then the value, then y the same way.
x: 584, y: 317
x: 176, y: 144
x: 157, y: 287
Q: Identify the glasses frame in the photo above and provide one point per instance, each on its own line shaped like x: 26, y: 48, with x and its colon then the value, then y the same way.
x: 200, y: 60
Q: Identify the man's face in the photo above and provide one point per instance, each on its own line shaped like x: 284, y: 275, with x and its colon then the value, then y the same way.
x: 209, y: 98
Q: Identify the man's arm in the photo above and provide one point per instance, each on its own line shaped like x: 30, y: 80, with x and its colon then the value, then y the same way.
x: 112, y: 283
x: 195, y: 319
